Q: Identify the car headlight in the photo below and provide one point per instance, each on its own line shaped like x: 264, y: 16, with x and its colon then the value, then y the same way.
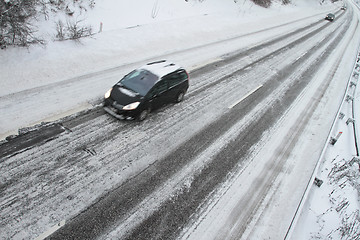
x: 108, y: 93
x: 131, y: 106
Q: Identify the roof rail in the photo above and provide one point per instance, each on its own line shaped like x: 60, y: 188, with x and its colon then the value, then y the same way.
x: 170, y: 65
x: 160, y: 61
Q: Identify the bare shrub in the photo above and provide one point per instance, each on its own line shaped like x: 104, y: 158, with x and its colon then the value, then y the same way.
x: 76, y: 31
x: 263, y: 3
x: 72, y: 30
x: 61, y: 30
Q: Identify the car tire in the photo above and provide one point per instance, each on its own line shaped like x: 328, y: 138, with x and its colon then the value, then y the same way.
x: 180, y: 97
x: 143, y: 114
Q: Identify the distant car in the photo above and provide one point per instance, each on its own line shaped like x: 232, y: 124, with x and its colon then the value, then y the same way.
x: 343, y: 8
x: 146, y: 88
x: 330, y: 17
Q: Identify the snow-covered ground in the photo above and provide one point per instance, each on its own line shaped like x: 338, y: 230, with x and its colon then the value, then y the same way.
x: 330, y: 208
x: 45, y: 83
x: 65, y: 77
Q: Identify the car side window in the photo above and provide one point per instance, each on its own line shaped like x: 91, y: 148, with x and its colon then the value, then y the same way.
x: 176, y: 78
x: 183, y: 75
x: 159, y: 88
x: 162, y: 86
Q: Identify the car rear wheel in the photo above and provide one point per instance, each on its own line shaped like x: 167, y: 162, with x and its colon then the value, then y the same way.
x: 180, y: 97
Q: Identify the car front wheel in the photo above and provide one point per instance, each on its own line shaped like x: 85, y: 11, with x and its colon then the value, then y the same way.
x: 143, y: 114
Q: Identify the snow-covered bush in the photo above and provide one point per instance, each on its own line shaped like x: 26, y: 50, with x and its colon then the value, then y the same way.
x: 18, y: 19
x: 267, y: 3
x: 72, y: 30
x: 263, y: 3
x: 15, y: 22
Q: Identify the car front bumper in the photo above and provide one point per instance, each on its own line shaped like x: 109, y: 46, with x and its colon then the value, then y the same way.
x: 115, y: 110
x: 113, y: 113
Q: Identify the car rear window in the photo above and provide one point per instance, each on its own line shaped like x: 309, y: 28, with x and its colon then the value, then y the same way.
x: 139, y: 80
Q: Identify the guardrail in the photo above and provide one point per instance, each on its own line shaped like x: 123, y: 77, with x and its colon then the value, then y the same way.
x: 355, y: 102
x: 349, y: 95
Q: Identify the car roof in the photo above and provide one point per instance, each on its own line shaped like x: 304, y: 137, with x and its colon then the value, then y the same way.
x: 161, y: 68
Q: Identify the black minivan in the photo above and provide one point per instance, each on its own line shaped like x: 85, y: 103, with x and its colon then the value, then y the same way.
x: 146, y: 88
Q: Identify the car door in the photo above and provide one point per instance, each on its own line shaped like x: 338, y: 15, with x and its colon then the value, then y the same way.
x: 176, y: 83
x: 158, y: 94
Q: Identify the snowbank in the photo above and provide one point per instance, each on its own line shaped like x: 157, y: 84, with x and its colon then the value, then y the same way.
x: 131, y: 31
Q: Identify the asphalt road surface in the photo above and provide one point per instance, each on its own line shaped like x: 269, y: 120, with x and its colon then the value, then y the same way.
x: 96, y: 177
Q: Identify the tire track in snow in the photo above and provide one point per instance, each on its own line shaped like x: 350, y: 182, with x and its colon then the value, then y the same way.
x: 89, y: 136
x: 152, y: 177
x: 177, y: 210
x: 21, y: 143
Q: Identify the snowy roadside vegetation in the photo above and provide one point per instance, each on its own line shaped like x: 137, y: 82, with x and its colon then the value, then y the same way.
x: 20, y: 20
x: 25, y: 22
x: 331, y: 209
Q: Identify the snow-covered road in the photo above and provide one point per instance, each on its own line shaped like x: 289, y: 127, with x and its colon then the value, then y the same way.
x: 330, y: 205
x: 230, y: 162
x: 55, y: 89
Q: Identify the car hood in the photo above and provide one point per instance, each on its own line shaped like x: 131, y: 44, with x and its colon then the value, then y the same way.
x: 124, y: 96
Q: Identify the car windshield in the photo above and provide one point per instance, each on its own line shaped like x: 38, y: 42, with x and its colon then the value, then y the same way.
x: 139, y: 81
